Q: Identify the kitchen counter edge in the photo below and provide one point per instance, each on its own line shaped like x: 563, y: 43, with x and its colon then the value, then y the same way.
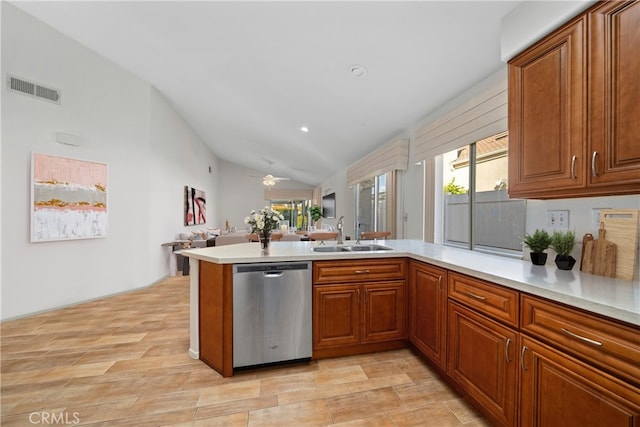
x: 615, y: 298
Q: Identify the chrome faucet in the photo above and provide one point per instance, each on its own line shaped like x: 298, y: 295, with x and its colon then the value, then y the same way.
x: 339, y: 228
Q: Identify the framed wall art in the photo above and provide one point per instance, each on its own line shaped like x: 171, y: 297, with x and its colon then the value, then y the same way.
x: 195, y: 204
x: 68, y: 198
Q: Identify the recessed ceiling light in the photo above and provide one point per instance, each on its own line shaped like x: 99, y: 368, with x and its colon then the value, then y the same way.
x: 357, y: 71
x: 304, y: 129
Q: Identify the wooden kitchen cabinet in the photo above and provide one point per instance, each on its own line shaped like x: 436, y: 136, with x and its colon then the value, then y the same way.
x: 336, y: 315
x: 614, y: 89
x: 359, y: 270
x: 356, y: 309
x: 215, y: 316
x: 428, y: 311
x: 573, y: 110
x: 482, y: 361
x: 489, y: 299
x: 558, y: 389
x: 547, y: 110
x: 384, y: 311
x: 612, y: 346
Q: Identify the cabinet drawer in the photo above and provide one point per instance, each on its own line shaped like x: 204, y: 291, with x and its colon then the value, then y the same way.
x: 613, y: 346
x: 489, y: 299
x: 358, y: 270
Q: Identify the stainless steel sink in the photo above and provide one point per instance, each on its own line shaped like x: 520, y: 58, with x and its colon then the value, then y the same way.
x: 366, y: 248
x: 328, y: 249
x: 351, y: 248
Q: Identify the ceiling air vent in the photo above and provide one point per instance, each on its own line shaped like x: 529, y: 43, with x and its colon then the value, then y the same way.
x: 36, y: 90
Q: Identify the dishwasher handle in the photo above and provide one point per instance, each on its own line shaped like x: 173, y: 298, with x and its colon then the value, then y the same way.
x: 272, y: 273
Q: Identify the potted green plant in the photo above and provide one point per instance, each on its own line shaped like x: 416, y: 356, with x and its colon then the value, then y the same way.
x: 316, y: 213
x: 562, y: 244
x: 538, y: 243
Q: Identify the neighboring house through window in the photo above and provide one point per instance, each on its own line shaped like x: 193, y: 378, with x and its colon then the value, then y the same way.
x: 477, y: 212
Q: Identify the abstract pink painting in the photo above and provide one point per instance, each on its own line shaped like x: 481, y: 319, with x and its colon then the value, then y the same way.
x: 195, y: 204
x: 69, y: 198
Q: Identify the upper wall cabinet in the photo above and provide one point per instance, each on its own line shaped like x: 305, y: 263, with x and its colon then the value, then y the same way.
x: 614, y: 108
x: 546, y: 114
x: 573, y: 108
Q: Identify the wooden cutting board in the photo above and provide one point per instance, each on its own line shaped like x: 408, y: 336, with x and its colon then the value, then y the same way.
x: 621, y: 226
x: 599, y: 255
x: 586, y: 242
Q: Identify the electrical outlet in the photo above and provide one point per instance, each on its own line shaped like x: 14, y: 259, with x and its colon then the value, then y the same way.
x: 558, y: 219
x: 595, y: 218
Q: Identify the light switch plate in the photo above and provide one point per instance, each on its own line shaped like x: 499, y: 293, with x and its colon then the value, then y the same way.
x: 595, y: 218
x: 558, y: 219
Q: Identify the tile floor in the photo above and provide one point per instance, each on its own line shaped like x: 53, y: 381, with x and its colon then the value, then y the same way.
x: 122, y: 361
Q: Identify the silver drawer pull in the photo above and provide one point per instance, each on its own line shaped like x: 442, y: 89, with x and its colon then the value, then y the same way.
x: 479, y: 297
x: 522, y: 365
x: 590, y: 341
x: 573, y: 167
x: 362, y: 271
x: 506, y: 349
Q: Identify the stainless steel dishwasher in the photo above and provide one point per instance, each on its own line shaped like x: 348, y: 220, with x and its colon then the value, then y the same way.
x: 271, y: 313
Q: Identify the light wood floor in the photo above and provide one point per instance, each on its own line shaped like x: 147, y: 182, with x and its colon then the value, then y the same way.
x: 122, y: 361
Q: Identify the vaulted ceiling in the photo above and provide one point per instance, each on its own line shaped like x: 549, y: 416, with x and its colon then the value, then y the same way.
x: 248, y: 75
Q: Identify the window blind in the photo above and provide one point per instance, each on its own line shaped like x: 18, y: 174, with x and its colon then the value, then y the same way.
x: 288, y: 194
x: 476, y: 114
x: 389, y: 157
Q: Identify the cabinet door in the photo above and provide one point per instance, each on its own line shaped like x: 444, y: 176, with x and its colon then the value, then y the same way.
x: 384, y: 314
x: 558, y: 390
x: 481, y: 358
x: 336, y: 315
x: 547, y: 136
x: 615, y: 90
x: 427, y: 311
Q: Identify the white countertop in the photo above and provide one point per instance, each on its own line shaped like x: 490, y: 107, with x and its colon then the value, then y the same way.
x: 615, y: 298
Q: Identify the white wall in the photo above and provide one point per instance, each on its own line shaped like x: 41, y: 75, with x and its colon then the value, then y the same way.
x: 532, y: 20
x: 580, y: 215
x: 345, y: 202
x: 122, y: 121
x: 177, y: 158
x: 410, y: 212
x: 241, y: 191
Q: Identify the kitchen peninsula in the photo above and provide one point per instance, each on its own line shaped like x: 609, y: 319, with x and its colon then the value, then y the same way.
x: 460, y: 309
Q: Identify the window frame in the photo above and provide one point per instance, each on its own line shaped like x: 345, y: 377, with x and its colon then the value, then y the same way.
x: 439, y: 220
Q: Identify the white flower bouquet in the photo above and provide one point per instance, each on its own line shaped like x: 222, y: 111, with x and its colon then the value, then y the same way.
x: 264, y: 221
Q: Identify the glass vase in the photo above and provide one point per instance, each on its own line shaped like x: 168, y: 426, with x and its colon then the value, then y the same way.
x: 265, y: 241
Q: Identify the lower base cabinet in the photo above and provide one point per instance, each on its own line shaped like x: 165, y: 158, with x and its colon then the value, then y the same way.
x: 522, y: 360
x: 349, y: 316
x: 482, y: 361
x: 558, y: 390
x: 336, y: 315
x: 428, y: 311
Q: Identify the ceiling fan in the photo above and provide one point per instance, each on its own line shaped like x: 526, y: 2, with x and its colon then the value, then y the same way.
x: 270, y: 180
